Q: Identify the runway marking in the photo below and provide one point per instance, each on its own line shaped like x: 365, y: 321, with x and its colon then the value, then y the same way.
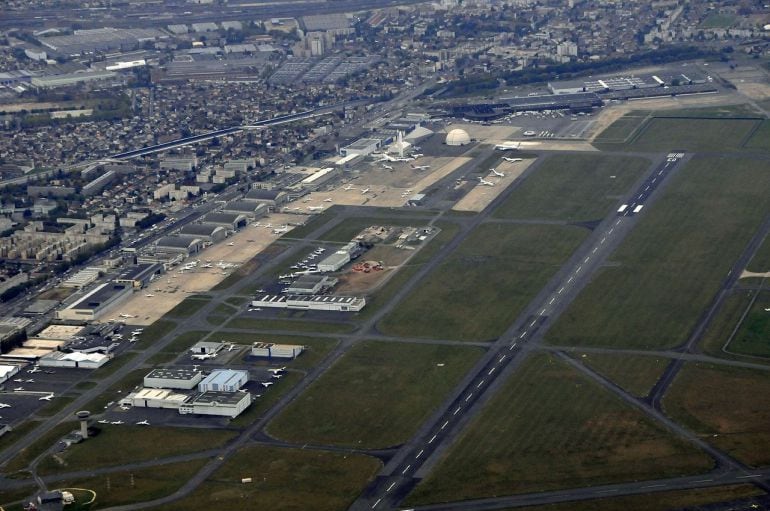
x: 569, y: 280
x: 468, y: 397
x: 749, y: 476
x: 542, y: 312
x: 578, y: 269
x: 641, y: 195
x: 511, y: 348
x: 419, y: 453
x: 407, y: 468
x: 552, y: 299
x: 661, y: 172
x: 502, y: 358
x: 653, y: 486
x: 704, y: 481
x: 522, y: 335
x: 445, y: 425
x: 586, y: 259
x: 480, y: 384
x: 561, y: 290
x: 606, y: 491
x: 375, y: 504
x: 654, y: 179
x: 391, y: 486
x: 533, y: 322
x: 432, y: 439
x: 610, y: 231
x: 647, y: 188
x: 458, y: 410
x: 491, y: 371
x: 594, y: 250
x: 604, y: 239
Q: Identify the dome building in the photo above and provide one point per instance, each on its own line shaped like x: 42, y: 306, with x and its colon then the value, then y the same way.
x: 458, y: 137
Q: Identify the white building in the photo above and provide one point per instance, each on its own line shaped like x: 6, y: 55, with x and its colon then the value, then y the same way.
x: 185, y: 379
x: 271, y: 350
x: 226, y: 404
x: 75, y: 360
x: 306, y: 302
x: 155, y: 398
x: 224, y: 380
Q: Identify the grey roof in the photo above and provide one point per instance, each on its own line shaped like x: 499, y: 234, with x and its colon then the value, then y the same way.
x: 173, y: 374
x: 216, y: 217
x: 240, y: 205
x: 176, y: 242
x: 260, y: 194
x: 200, y: 229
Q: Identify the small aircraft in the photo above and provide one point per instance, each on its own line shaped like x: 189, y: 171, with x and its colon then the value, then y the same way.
x: 363, y: 192
x: 512, y: 160
x: 485, y: 182
x: 348, y: 187
x: 103, y: 421
x: 231, y: 244
x: 148, y: 295
x: 277, y: 376
x: 127, y: 316
x: 280, y: 230
x: 117, y: 423
x: 30, y: 380
x: 145, y: 422
x: 18, y: 389
x: 387, y: 167
x: 46, y: 398
x: 315, y: 208
x: 277, y: 370
x: 231, y: 347
x: 327, y: 200
x: 420, y: 167
x: 34, y: 370
x: 208, y: 265
x: 767, y: 310
x: 497, y: 173
x: 266, y: 383
x: 4, y: 405
x: 203, y: 356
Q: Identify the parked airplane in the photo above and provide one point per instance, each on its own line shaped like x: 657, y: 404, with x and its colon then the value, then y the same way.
x: 485, y: 182
x: 127, y: 316
x: 315, y: 208
x: 145, y: 422
x: 4, y: 405
x: 231, y: 244
x: 266, y: 383
x: 513, y: 160
x: 498, y: 174
x: 117, y: 423
x: 387, y: 167
x: 18, y: 389
x: 420, y: 167
x: 507, y: 147
x: 388, y: 158
x: 348, y: 187
x: 254, y: 309
x: 203, y: 356
x: 103, y: 421
x: 277, y: 376
x: 34, y: 370
x: 281, y: 230
x: 148, y: 295
x: 46, y: 398
x: 231, y: 347
x: 278, y: 370
x: 327, y: 200
x: 363, y: 192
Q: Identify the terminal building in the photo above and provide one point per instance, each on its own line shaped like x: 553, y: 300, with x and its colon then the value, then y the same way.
x: 309, y: 302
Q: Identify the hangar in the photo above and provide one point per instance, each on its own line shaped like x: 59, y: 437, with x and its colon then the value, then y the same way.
x: 185, y: 379
x: 458, y: 137
x: 226, y: 404
x: 249, y: 209
x: 271, y: 350
x: 94, y: 303
x: 179, y: 245
x: 231, y: 221
x: 207, y: 232
x: 224, y: 380
x: 74, y: 360
x: 140, y: 275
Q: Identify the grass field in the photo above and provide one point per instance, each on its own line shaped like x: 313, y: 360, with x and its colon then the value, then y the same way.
x: 635, y: 374
x: 692, y: 134
x: 761, y: 138
x: 290, y: 325
x: 551, y: 428
x: 152, y: 334
x: 753, y: 336
x: 729, y: 407
x: 350, y: 227
x: 497, y: 270
x: 573, y: 188
x: 315, y: 347
x: 137, y: 443
x: 674, y: 261
x: 133, y: 486
x: 315, y: 222
x: 660, y: 501
x: 717, y: 20
x: 260, y: 405
x: 26, y: 456
x: 376, y: 396
x: 622, y: 129
x: 724, y: 321
x: 283, y: 480
x: 760, y: 263
x: 187, y: 308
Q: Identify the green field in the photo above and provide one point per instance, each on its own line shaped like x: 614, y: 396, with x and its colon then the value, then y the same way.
x: 133, y: 486
x: 634, y: 374
x: 316, y: 348
x: 137, y: 443
x: 27, y: 455
x: 376, y: 396
x: 674, y: 261
x: 151, y: 335
x: 753, y: 336
x: 692, y: 134
x: 311, y: 225
x: 760, y: 263
x: 290, y: 325
x: 724, y: 321
x: 261, y: 403
x: 573, y: 188
x: 717, y: 20
x: 729, y: 407
x: 350, y: 227
x: 622, y: 129
x: 551, y: 428
x: 660, y: 501
x: 496, y: 270
x: 283, y: 480
x: 187, y: 308
x: 761, y: 138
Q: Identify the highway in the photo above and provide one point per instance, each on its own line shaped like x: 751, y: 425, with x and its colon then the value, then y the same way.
x: 397, y: 479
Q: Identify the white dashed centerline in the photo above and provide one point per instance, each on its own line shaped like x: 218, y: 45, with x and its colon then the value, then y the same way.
x: 432, y: 439
x: 406, y: 469
x: 391, y: 486
x: 443, y: 426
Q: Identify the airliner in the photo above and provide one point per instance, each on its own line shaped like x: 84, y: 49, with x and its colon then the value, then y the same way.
x: 485, y: 182
x: 46, y: 398
x: 513, y: 160
x: 387, y: 167
x: 363, y: 192
x: 498, y: 174
x: 4, y: 405
x: 145, y: 422
x: 420, y: 167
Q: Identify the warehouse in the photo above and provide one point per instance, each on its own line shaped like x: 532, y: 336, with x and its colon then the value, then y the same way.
x: 334, y: 261
x: 226, y: 404
x: 207, y: 232
x: 206, y: 348
x: 231, y: 221
x: 305, y: 302
x: 8, y: 370
x: 140, y: 275
x: 154, y: 398
x: 311, y: 284
x: 251, y: 210
x: 184, y: 379
x: 94, y: 303
x: 314, y: 181
x: 270, y: 198
x: 271, y: 350
x: 179, y: 245
x: 362, y: 147
x: 74, y: 360
x: 224, y: 380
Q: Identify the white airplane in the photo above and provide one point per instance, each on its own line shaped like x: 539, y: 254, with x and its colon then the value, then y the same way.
x: 315, y: 208
x: 231, y: 244
x: 116, y: 423
x: 148, y: 295
x: 4, y: 405
x: 103, y: 421
x: 208, y: 265
x: 203, y: 356
x: 145, y: 422
x: 278, y: 370
x: 513, y: 160
x: 277, y: 376
x: 507, y: 147
x: 18, y: 389
x: 133, y: 339
x: 498, y: 174
x: 231, y: 347
x: 767, y: 310
x: 266, y: 383
x: 348, y: 187
x: 327, y: 200
x: 420, y: 167
x: 268, y: 226
x: 138, y: 331
x: 127, y: 316
x: 46, y: 398
x: 30, y: 380
x: 388, y: 158
x: 280, y: 230
x: 34, y: 370
x: 387, y: 167
x: 485, y: 182
x: 363, y: 192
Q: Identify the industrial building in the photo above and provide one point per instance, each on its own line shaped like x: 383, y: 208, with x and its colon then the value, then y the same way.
x: 206, y: 232
x: 83, y: 278
x: 226, y: 404
x: 334, y: 261
x: 311, y: 284
x: 309, y: 302
x: 70, y: 79
x: 224, y: 380
x: 140, y: 275
x: 7, y: 371
x: 94, y: 303
x: 271, y: 350
x: 75, y: 360
x: 185, y: 379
